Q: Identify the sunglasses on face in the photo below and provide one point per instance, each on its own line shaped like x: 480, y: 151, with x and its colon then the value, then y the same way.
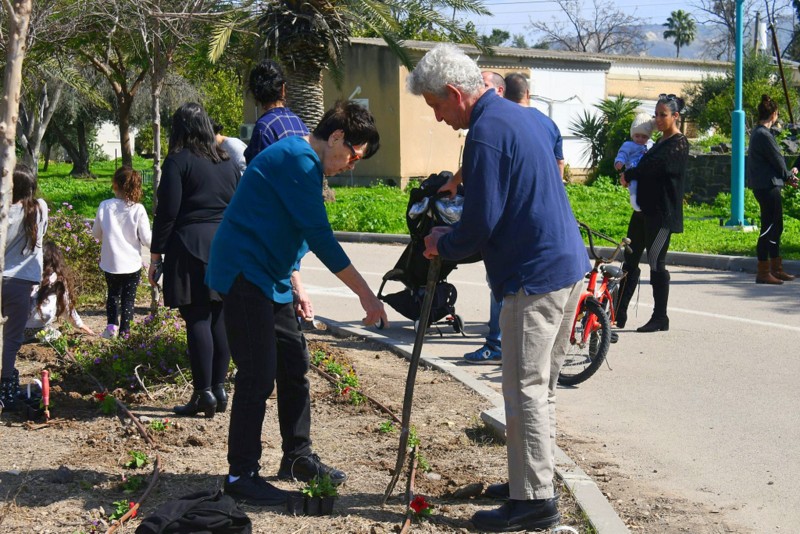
x: 354, y: 156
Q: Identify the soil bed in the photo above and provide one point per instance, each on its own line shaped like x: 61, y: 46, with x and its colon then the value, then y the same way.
x: 64, y: 476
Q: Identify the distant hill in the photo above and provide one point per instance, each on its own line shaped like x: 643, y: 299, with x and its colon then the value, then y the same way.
x: 661, y: 47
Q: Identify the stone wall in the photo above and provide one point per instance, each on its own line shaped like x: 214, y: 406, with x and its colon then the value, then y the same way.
x: 710, y: 174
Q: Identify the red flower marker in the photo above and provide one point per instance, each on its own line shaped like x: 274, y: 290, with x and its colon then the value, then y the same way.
x: 419, y: 504
x: 131, y: 505
x: 100, y: 396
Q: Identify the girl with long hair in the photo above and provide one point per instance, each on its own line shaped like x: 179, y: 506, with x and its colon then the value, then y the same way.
x: 27, y: 222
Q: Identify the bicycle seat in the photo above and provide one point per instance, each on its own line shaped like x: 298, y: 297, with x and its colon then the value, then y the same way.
x: 613, y: 271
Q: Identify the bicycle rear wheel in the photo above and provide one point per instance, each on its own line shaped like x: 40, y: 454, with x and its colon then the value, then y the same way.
x: 592, y: 336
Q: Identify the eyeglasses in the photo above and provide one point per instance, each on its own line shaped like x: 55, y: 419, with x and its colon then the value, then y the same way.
x: 354, y: 156
x: 665, y: 96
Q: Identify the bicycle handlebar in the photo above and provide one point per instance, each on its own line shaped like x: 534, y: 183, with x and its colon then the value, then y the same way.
x: 619, y: 245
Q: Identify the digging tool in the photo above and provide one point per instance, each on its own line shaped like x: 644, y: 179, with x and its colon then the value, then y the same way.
x: 424, y: 317
x: 46, y: 393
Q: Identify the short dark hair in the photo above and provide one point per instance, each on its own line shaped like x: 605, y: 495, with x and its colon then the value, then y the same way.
x: 516, y: 87
x: 266, y: 82
x: 766, y: 108
x: 191, y: 129
x: 355, y: 120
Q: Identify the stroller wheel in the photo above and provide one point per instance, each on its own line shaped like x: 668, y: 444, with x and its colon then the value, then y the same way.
x: 380, y: 325
x: 458, y: 324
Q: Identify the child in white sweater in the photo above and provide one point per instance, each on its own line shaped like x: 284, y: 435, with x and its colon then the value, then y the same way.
x: 123, y: 227
x: 52, y: 299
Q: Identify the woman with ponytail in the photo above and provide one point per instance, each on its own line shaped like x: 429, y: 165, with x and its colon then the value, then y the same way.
x: 27, y: 222
x: 766, y: 176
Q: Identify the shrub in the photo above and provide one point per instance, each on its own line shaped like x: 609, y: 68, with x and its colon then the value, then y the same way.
x: 156, y: 345
x: 72, y: 233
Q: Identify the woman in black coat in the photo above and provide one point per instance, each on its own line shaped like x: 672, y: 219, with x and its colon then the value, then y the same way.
x: 766, y: 176
x: 197, y: 183
x: 661, y: 175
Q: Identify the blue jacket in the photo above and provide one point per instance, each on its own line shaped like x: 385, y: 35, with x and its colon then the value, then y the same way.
x: 276, y: 215
x: 516, y: 212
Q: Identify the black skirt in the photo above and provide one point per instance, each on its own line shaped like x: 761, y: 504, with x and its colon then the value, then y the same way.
x: 184, y: 277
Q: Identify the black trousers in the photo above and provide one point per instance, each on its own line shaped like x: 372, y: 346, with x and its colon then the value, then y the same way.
x: 258, y: 331
x: 121, y: 298
x: 207, y: 342
x: 647, y: 233
x: 769, y: 239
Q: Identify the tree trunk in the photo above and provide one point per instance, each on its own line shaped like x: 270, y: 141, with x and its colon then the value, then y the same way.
x: 18, y: 17
x: 38, y: 123
x: 304, y: 97
x: 80, y: 166
x: 124, y: 102
x: 156, y: 84
x: 48, y: 148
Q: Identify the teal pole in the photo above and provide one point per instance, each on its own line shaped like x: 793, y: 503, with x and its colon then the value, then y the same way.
x: 737, y: 150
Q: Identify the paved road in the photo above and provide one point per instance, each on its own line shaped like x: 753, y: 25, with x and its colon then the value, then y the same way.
x: 708, y: 410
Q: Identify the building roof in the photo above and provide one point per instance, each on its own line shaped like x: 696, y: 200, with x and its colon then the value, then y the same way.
x: 558, y: 55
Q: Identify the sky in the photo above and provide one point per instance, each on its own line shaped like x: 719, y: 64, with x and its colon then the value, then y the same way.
x: 514, y: 16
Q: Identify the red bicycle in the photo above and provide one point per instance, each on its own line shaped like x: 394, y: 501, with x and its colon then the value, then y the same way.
x: 591, y: 332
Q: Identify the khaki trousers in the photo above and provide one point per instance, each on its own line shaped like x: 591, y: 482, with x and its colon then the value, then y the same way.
x: 535, y: 339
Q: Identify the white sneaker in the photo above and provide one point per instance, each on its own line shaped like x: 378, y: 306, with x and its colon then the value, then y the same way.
x: 110, y: 332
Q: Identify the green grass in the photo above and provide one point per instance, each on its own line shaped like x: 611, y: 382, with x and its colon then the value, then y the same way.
x: 56, y: 186
x: 381, y: 209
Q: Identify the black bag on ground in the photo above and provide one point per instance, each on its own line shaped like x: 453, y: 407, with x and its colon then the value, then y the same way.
x: 204, y: 512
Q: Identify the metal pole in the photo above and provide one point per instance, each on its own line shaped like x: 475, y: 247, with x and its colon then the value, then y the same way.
x: 737, y: 152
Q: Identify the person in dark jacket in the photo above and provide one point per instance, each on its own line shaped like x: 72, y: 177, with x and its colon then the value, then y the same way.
x: 511, y: 182
x: 766, y: 176
x: 198, y: 181
x: 661, y: 174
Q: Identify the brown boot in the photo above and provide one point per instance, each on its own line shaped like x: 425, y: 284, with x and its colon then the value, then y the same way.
x: 764, y: 276
x: 776, y: 269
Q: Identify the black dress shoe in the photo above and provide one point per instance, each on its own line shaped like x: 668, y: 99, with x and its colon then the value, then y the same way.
x: 515, y: 515
x: 222, y: 397
x: 253, y: 489
x: 201, y: 401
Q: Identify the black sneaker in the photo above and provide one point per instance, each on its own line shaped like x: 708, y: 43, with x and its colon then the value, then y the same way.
x: 305, y: 468
x: 514, y: 516
x: 253, y: 489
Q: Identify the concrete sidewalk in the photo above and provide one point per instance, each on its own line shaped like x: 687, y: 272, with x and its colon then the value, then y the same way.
x: 594, y: 503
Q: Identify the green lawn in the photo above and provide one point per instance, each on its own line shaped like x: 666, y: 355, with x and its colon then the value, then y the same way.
x: 381, y: 209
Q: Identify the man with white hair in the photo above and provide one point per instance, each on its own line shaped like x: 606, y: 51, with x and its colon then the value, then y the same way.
x: 516, y: 214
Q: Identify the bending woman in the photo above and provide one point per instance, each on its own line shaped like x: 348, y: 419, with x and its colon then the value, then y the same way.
x: 661, y: 175
x: 766, y: 175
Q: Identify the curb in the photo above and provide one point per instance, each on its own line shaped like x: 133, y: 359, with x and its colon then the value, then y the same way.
x: 686, y: 259
x: 590, y: 499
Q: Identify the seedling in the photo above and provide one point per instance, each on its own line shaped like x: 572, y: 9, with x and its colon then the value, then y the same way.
x: 121, y: 508
x: 387, y: 427
x: 137, y: 461
x: 132, y: 484
x: 320, y: 487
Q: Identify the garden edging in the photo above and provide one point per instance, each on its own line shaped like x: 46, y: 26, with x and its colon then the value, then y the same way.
x: 591, y: 500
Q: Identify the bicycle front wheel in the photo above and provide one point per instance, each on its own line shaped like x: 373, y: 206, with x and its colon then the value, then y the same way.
x: 586, y: 354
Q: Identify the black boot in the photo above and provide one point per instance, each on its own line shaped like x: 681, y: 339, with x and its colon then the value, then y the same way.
x: 222, y: 397
x: 659, y: 322
x: 9, y: 392
x: 202, y: 401
x: 627, y: 288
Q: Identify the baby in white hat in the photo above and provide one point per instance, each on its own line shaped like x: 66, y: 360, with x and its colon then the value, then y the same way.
x: 632, y: 151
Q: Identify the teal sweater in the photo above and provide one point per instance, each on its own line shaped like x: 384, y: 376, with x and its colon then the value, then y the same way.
x: 276, y: 215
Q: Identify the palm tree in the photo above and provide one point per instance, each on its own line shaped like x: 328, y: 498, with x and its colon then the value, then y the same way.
x: 681, y: 28
x: 309, y: 36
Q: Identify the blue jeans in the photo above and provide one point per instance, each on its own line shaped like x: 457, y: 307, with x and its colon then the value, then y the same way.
x: 495, y: 307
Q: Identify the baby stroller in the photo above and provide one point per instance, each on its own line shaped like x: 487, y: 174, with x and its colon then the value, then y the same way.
x: 426, y: 208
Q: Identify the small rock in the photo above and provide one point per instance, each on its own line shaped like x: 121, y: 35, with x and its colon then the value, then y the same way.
x: 469, y: 491
x: 62, y: 475
x: 433, y: 476
x: 145, y: 419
